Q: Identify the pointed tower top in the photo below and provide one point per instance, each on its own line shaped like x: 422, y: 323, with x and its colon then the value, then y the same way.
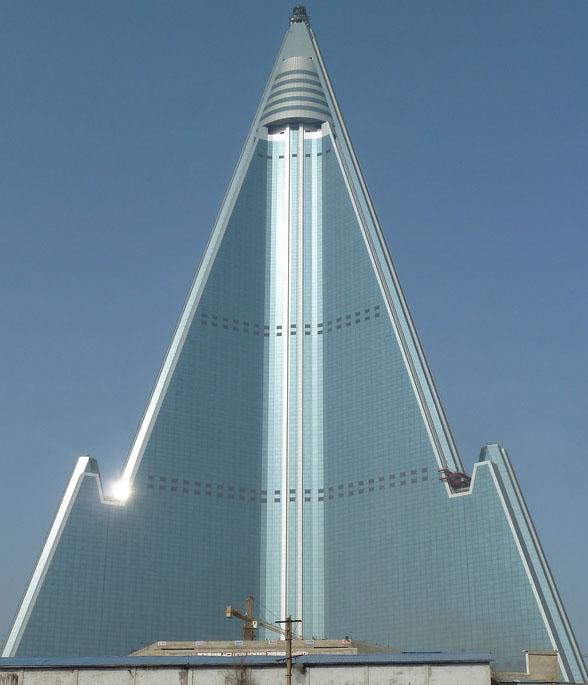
x: 299, y: 15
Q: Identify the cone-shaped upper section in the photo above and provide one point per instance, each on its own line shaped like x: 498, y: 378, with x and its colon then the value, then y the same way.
x: 296, y: 94
x: 296, y: 91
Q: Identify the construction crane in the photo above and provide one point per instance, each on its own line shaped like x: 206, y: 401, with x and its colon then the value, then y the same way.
x: 252, y: 623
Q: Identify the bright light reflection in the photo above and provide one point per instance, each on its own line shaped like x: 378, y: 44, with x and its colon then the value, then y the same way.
x: 121, y: 490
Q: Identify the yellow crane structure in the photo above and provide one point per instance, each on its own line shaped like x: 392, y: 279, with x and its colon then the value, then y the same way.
x: 251, y: 623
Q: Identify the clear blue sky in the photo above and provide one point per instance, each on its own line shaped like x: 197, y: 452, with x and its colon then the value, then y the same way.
x: 121, y: 123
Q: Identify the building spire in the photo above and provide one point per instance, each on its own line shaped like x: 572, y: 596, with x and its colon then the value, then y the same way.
x: 299, y: 15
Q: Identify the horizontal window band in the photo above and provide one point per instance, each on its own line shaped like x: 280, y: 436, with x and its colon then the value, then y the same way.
x: 303, y: 108
x: 289, y: 81
x: 302, y: 89
x: 297, y: 71
x: 297, y: 98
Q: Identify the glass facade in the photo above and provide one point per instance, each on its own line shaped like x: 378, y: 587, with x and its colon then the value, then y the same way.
x: 292, y: 445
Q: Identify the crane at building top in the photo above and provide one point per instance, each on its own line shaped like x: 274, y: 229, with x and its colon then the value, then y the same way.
x: 251, y: 623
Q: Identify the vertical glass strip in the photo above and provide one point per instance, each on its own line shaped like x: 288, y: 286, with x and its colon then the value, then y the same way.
x: 299, y: 382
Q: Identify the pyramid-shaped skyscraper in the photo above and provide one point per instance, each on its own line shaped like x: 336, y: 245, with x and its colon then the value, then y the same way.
x: 292, y: 445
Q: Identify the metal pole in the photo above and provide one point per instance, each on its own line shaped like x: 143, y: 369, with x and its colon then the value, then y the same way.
x: 288, y: 623
x: 289, y: 650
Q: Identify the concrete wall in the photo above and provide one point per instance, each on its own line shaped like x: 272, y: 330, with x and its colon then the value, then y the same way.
x: 350, y: 675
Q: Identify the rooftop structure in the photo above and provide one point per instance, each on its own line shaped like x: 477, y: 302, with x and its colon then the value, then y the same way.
x: 294, y: 446
x: 259, y: 648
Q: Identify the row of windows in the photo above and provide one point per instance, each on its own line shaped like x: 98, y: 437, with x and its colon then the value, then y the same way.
x: 332, y: 492
x: 318, y: 154
x: 336, y: 324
